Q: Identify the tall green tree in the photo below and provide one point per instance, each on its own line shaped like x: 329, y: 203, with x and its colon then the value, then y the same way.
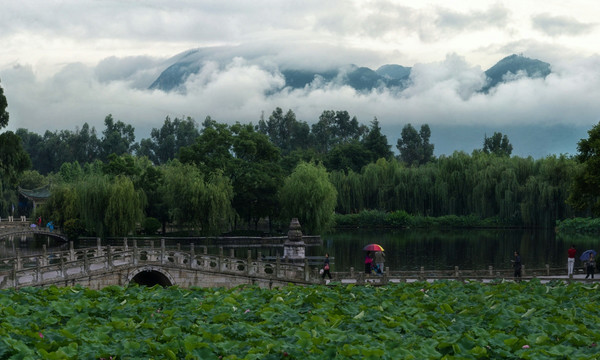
x: 164, y: 143
x: 118, y: 138
x: 285, y: 131
x: 257, y: 174
x: 497, y: 144
x: 195, y: 200
x: 50, y: 151
x: 93, y: 193
x: 377, y: 143
x: 585, y: 189
x: 336, y: 127
x: 414, y: 147
x: 124, y: 207
x: 352, y: 155
x: 13, y: 158
x: 3, y: 112
x: 307, y: 194
x: 212, y: 149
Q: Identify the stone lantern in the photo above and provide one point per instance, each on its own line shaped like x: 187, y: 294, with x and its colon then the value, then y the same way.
x: 294, y: 248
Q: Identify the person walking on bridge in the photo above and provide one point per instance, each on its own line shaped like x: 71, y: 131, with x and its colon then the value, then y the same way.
x: 571, y: 260
x: 517, y: 266
x: 379, y: 261
x: 591, y: 266
x: 326, y: 267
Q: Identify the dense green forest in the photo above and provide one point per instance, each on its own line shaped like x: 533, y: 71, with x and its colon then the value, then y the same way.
x: 214, y: 177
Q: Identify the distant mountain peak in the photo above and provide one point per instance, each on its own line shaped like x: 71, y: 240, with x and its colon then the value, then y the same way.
x: 188, y: 63
x: 513, y: 64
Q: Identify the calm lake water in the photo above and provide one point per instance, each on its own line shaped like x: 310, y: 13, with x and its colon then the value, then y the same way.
x: 404, y: 249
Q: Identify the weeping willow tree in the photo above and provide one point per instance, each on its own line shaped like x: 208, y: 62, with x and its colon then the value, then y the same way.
x: 124, y: 208
x: 307, y: 194
x: 192, y: 201
x: 62, y: 205
x: 516, y: 191
x: 218, y: 212
x: 93, y: 193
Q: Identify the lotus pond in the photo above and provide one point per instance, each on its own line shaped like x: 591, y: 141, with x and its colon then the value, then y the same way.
x: 444, y: 319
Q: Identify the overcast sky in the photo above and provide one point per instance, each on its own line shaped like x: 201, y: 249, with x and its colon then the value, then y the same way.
x: 64, y: 63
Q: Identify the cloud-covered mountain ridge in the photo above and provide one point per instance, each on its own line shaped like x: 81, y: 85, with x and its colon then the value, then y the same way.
x: 390, y: 76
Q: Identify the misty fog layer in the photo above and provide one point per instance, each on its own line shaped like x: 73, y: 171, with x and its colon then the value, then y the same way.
x: 540, y: 116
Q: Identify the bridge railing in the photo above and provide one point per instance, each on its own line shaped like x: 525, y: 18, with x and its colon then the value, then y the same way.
x: 45, y: 268
x: 56, y: 267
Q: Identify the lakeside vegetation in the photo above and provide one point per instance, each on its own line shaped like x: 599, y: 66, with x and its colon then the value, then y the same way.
x: 221, y: 178
x: 527, y: 320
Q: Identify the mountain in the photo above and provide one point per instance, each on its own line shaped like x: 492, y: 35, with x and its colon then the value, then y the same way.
x: 512, y: 67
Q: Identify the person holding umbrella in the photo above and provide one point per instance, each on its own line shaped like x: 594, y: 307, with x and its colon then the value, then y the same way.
x: 591, y: 266
x: 368, y: 262
x: 369, y: 256
x: 379, y: 260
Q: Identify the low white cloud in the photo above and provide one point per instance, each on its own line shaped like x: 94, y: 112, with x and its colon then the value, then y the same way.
x: 441, y: 94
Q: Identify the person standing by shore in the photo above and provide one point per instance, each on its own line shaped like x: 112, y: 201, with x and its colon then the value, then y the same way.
x: 517, y: 266
x: 326, y: 267
x: 379, y: 260
x: 590, y: 266
x: 368, y: 263
x: 571, y: 260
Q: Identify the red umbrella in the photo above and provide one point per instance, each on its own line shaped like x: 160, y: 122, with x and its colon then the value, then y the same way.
x: 373, y: 247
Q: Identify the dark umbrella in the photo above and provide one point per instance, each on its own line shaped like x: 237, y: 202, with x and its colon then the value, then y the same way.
x: 373, y: 247
x: 586, y: 255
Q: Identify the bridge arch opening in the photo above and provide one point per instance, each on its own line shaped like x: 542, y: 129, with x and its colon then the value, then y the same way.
x: 151, y: 278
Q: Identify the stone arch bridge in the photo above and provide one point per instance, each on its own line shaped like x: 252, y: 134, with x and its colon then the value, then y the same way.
x: 102, y: 266
x: 23, y: 231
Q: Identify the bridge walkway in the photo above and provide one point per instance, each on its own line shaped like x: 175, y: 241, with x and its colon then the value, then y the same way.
x: 101, y: 266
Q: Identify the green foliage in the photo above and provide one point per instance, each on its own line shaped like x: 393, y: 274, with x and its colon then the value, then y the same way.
x: 334, y: 128
x: 3, y: 112
x: 585, y: 189
x: 31, y: 179
x: 579, y: 226
x: 151, y: 225
x: 257, y: 176
x: 414, y: 147
x: 285, y: 131
x: 377, y: 143
x: 194, y: 201
x: 93, y: 196
x: 13, y: 158
x: 352, y: 155
x: 50, y: 151
x: 444, y: 319
x: 123, y: 207
x: 497, y: 145
x: 515, y: 191
x: 307, y: 194
x: 401, y: 219
x: 118, y: 138
x: 63, y: 204
x: 164, y: 143
x: 73, y: 228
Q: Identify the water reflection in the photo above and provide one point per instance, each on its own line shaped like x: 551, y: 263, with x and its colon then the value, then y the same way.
x: 29, y: 245
x: 405, y: 249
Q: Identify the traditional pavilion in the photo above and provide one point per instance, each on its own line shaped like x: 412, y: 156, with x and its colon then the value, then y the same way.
x: 36, y: 196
